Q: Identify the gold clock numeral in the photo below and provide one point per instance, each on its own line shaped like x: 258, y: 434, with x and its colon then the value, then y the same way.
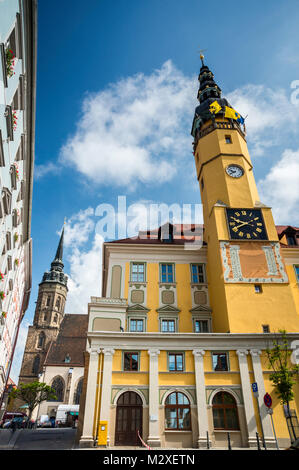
x: 243, y: 212
x: 248, y: 235
x: 240, y: 234
x: 250, y: 214
x: 235, y: 229
x: 258, y: 229
x: 237, y: 214
x: 232, y: 223
x: 260, y: 224
x: 254, y: 234
x: 256, y: 218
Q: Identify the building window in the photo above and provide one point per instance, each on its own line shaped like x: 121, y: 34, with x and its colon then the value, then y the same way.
x: 48, y: 301
x: 136, y: 324
x: 175, y: 362
x: 266, y: 328
x: 41, y: 340
x: 138, y: 272
x: 78, y: 392
x: 57, y: 305
x: 225, y: 413
x: 201, y: 326
x: 131, y: 361
x: 58, y: 386
x: 168, y: 326
x: 198, y: 273
x: 2, y: 159
x: 258, y: 289
x: 291, y: 240
x: 177, y: 412
x: 167, y: 273
x: 220, y: 361
x: 228, y: 139
x: 35, y: 366
x: 6, y: 200
x: 297, y: 272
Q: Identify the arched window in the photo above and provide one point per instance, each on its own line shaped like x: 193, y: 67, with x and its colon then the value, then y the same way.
x: 58, y: 302
x: 55, y: 319
x: 41, y: 340
x: 78, y: 392
x: 225, y: 413
x: 35, y: 366
x: 48, y: 301
x: 177, y: 412
x: 58, y: 386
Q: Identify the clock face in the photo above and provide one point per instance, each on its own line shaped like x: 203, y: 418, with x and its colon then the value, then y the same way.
x: 246, y: 224
x: 235, y: 171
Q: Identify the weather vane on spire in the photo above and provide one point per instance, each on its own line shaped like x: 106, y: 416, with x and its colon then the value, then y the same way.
x: 201, y: 56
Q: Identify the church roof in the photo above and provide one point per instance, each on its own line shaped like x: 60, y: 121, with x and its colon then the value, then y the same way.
x: 180, y: 234
x: 70, y: 344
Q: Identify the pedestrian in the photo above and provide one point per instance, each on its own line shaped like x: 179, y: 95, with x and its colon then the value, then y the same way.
x: 13, y: 425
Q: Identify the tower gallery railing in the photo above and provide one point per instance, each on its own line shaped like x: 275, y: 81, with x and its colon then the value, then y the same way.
x: 217, y: 125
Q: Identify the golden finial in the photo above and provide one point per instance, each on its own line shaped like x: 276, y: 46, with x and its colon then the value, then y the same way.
x: 201, y: 56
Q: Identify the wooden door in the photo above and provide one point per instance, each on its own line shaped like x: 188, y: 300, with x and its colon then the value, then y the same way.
x: 128, y: 420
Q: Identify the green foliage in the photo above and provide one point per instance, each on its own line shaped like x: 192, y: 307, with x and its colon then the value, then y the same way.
x: 284, y: 375
x: 33, y: 393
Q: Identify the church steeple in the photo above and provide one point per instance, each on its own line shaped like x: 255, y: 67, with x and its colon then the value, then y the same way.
x: 56, y: 273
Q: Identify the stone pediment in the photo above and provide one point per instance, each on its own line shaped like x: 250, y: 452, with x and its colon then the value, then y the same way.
x: 201, y: 309
x: 137, y: 308
x: 168, y: 309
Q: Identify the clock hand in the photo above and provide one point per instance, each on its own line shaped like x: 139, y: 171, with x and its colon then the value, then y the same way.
x: 245, y: 223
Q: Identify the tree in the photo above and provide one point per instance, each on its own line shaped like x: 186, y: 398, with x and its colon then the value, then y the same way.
x: 33, y: 394
x: 284, y: 375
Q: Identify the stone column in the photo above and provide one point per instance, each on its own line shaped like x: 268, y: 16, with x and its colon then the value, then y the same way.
x: 87, y: 438
x: 266, y: 420
x: 106, y: 388
x: 202, y: 412
x: 154, y: 439
x: 247, y: 396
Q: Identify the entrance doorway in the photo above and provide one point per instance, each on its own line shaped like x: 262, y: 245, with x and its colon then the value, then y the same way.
x: 128, y: 420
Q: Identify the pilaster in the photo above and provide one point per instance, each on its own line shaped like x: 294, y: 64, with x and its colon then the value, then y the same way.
x: 247, y: 397
x: 202, y: 413
x: 87, y: 438
x: 154, y: 431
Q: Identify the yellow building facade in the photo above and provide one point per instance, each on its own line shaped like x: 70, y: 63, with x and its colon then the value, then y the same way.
x: 180, y: 334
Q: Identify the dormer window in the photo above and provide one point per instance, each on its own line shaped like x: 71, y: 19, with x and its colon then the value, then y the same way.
x: 165, y: 233
x: 67, y: 359
x: 291, y: 240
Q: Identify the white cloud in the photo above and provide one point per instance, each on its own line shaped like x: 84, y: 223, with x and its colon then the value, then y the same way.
x: 126, y: 130
x: 84, y: 258
x: 280, y: 188
x: 271, y: 115
x: 42, y: 170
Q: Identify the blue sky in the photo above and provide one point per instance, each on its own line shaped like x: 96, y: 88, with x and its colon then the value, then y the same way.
x: 116, y: 93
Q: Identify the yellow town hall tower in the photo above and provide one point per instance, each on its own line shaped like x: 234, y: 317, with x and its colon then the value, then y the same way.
x: 180, y: 335
x: 244, y: 256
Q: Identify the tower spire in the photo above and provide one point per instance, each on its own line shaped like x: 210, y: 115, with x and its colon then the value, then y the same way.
x: 56, y: 273
x: 59, y: 252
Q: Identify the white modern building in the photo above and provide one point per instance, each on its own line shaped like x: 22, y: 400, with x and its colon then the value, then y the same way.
x: 18, y: 32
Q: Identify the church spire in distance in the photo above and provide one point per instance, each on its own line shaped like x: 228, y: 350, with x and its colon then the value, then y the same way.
x: 56, y: 273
